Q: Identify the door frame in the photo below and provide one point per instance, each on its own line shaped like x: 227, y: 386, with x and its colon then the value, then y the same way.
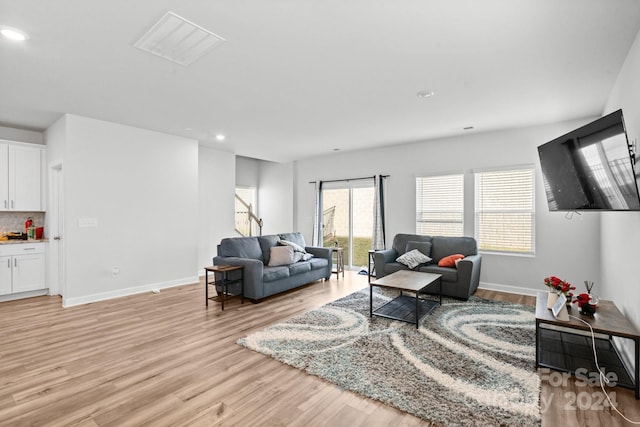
x: 55, y: 219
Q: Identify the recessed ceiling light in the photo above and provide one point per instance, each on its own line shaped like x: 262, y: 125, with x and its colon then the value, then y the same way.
x: 425, y: 93
x: 220, y: 137
x: 13, y: 33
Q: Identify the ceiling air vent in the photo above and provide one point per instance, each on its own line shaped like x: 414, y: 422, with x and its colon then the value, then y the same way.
x: 178, y: 40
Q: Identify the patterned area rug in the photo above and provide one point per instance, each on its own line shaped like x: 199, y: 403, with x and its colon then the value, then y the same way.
x: 470, y: 363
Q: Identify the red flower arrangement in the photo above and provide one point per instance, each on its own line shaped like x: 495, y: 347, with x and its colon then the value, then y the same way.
x: 560, y: 286
x: 586, y: 303
x: 582, y: 299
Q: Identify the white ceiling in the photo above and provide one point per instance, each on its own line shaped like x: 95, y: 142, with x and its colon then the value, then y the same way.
x: 301, y: 78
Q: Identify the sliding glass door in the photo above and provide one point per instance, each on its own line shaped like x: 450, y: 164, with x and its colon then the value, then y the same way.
x: 347, y: 212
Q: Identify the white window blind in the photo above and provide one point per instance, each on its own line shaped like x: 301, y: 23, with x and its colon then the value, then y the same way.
x: 505, y: 210
x: 440, y: 205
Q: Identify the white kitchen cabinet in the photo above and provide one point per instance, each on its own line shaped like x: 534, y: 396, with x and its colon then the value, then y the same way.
x: 4, y: 176
x: 5, y: 275
x: 22, y: 268
x: 21, y: 180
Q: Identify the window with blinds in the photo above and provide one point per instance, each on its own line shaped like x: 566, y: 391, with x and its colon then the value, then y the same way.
x: 505, y: 210
x: 440, y: 205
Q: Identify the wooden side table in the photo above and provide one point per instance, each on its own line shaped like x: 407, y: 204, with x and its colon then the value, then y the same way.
x: 566, y: 346
x: 372, y: 264
x: 224, y: 282
x: 339, y: 255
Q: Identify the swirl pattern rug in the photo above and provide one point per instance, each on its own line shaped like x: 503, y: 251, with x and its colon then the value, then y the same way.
x: 469, y: 363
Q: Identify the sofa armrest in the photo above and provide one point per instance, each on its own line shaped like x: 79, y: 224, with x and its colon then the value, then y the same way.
x: 319, y: 252
x: 325, y: 253
x: 252, y: 274
x: 382, y: 257
x: 469, y: 271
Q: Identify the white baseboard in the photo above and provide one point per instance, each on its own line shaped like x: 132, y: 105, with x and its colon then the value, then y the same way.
x: 508, y: 289
x: 70, y: 302
x: 21, y: 295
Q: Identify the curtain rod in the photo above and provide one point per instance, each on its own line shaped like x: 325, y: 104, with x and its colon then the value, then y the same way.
x: 350, y: 179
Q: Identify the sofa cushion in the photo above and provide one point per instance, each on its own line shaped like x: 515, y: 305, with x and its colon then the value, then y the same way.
x: 299, y: 267
x: 445, y: 246
x: 413, y: 259
x: 448, y: 274
x: 266, y: 243
x: 280, y: 255
x: 269, y: 274
x: 450, y: 261
x: 241, y: 247
x: 424, y: 247
x: 296, y: 238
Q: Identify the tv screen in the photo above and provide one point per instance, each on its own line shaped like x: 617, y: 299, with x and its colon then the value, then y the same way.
x: 591, y: 168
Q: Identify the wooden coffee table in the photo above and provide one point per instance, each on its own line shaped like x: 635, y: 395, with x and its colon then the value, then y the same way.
x: 406, y: 308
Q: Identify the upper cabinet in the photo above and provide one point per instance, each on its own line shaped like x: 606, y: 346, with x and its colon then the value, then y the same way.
x: 21, y: 176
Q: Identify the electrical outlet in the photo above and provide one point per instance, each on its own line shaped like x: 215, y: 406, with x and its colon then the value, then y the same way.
x: 115, y: 272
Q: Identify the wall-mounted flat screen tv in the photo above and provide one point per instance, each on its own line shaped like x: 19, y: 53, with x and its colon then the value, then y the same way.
x: 591, y: 168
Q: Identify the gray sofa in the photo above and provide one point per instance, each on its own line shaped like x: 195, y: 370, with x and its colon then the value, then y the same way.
x: 459, y: 282
x: 262, y: 280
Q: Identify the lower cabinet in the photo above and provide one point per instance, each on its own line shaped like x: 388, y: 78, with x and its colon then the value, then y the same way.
x: 22, y: 268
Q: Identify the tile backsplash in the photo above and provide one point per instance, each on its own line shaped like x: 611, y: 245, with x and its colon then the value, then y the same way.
x: 14, y: 221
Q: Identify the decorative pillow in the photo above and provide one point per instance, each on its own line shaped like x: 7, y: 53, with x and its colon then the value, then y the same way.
x: 299, y: 253
x: 281, y: 255
x: 424, y: 247
x: 296, y: 247
x: 413, y: 259
x: 450, y: 261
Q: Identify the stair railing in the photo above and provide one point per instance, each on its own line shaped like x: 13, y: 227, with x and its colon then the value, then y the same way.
x: 246, y: 218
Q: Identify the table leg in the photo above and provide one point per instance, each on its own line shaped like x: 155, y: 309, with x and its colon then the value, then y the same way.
x: 242, y: 286
x: 637, y: 340
x: 370, y: 301
x: 417, y: 309
x: 206, y: 287
x: 225, y: 288
x: 537, y: 344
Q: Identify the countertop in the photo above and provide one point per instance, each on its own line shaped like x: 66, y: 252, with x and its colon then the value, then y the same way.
x: 22, y: 242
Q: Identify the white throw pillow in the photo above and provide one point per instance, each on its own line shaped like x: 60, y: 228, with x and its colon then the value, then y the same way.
x: 280, y: 255
x: 296, y: 247
x: 413, y: 258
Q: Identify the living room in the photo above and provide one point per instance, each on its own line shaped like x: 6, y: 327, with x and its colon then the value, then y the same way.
x: 163, y: 202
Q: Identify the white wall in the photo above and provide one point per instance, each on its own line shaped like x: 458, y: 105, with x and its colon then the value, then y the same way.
x: 142, y: 188
x: 620, y: 249
x: 275, y: 197
x: 247, y: 172
x: 566, y: 248
x: 216, y: 177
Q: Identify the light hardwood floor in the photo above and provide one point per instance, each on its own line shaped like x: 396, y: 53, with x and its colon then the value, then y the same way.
x: 166, y: 359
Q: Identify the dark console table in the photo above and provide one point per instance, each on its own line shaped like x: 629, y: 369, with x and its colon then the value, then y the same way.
x: 565, y: 346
